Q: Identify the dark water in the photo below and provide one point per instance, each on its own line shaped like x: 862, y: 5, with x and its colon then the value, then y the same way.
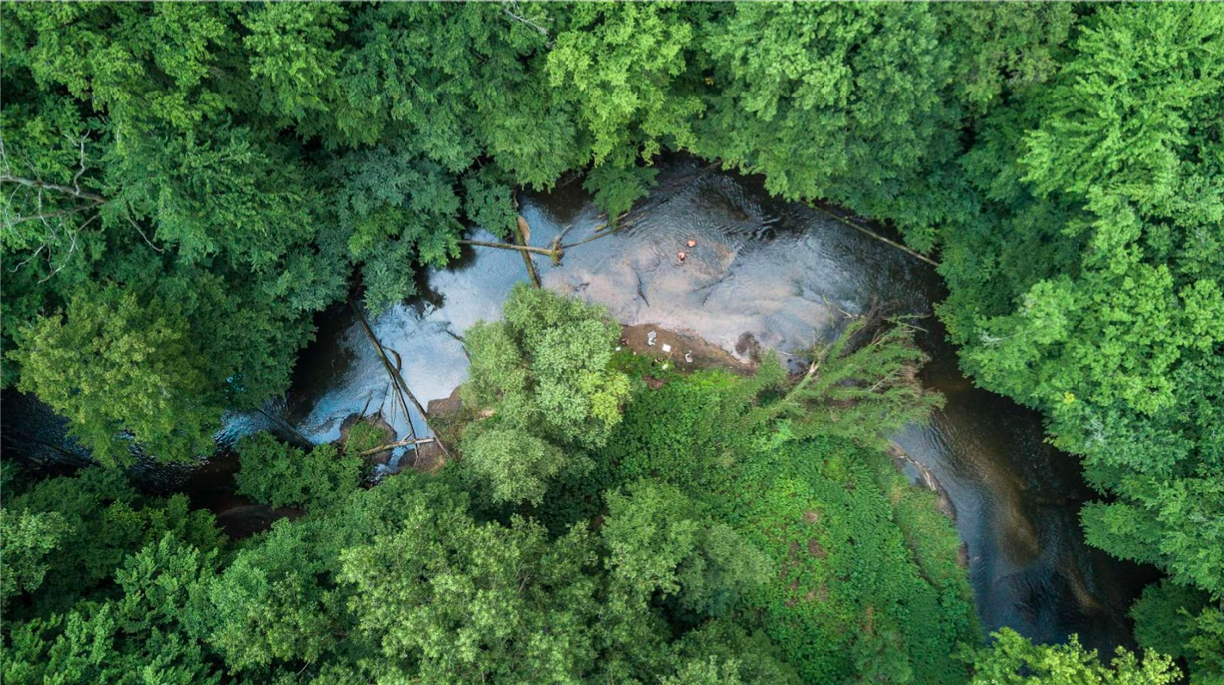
x: 784, y: 273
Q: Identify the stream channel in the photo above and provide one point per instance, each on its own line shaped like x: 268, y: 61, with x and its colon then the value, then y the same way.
x: 763, y: 272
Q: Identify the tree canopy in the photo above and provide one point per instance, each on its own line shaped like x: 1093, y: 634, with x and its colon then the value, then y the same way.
x: 186, y: 184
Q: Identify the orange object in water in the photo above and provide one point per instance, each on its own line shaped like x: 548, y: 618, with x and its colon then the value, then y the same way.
x: 692, y: 243
x: 681, y: 256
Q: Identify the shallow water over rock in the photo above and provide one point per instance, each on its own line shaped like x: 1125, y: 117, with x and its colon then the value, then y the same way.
x: 762, y: 272
x: 779, y: 275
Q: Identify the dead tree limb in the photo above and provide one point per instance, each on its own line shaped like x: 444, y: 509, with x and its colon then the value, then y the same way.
x: 397, y: 379
x: 875, y: 235
x: 511, y: 246
x: 522, y: 234
x: 397, y: 443
x: 67, y: 190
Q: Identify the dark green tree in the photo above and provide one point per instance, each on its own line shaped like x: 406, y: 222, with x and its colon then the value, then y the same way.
x: 660, y: 541
x: 281, y: 475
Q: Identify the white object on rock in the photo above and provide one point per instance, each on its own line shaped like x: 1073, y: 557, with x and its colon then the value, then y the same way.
x: 666, y: 348
x: 688, y: 356
x: 650, y: 338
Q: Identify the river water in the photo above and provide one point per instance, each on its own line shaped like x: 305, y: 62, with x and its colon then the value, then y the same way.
x: 782, y: 273
x: 779, y: 272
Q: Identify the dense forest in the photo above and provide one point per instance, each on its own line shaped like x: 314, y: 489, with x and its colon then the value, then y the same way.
x: 186, y: 185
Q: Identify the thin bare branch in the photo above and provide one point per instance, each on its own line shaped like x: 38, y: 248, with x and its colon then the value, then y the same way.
x: 71, y: 249
x: 524, y: 20
x: 27, y: 260
x: 142, y: 234
x: 43, y: 217
x: 75, y: 192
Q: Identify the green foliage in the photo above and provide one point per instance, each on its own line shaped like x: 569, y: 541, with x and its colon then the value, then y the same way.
x: 515, y: 464
x: 363, y: 436
x: 836, y: 101
x: 269, y: 605
x: 849, y: 542
x: 1183, y: 623
x: 660, y: 541
x: 620, y: 61
x: 475, y: 603
x: 281, y: 475
x: 546, y: 374
x: 818, y: 510
x: 396, y: 208
x: 147, y: 634
x: 119, y: 363
x: 94, y: 519
x: 546, y: 367
x: 1013, y: 660
x: 861, y: 386
x: 1089, y: 286
x: 26, y: 540
x: 720, y: 649
x: 102, y: 584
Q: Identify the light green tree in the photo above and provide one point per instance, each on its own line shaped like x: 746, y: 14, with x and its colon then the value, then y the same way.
x: 1014, y: 660
x: 860, y: 386
x: 118, y: 363
x: 476, y: 603
x: 517, y: 464
x: 547, y: 368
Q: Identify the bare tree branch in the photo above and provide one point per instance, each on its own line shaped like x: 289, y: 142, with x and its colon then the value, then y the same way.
x: 524, y: 20
x: 142, y: 233
x: 72, y: 249
x: 43, y: 217
x: 75, y: 192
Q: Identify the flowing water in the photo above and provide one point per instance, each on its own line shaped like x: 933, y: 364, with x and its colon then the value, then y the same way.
x: 782, y: 274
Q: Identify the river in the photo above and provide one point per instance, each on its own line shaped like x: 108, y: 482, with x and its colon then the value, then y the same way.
x: 781, y: 274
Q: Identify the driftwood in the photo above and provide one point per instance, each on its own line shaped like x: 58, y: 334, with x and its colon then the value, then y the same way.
x: 392, y: 372
x: 511, y: 246
x: 523, y: 236
x: 397, y: 443
x: 295, y: 435
x: 873, y: 234
x: 397, y: 380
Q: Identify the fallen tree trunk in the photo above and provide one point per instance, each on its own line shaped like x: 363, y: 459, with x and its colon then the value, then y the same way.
x: 875, y: 235
x: 398, y: 443
x: 396, y: 379
x: 511, y: 246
